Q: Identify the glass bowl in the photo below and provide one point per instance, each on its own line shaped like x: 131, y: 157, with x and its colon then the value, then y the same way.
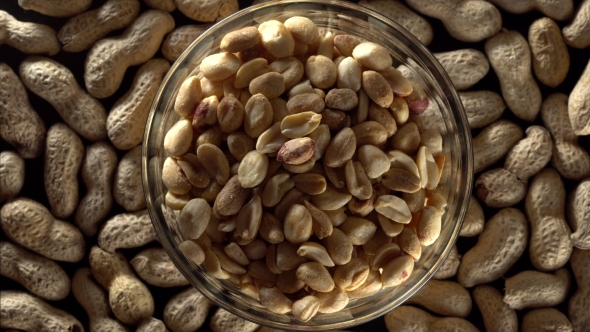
x: 445, y: 113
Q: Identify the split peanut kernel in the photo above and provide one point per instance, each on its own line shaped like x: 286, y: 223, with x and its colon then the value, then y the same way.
x: 331, y: 192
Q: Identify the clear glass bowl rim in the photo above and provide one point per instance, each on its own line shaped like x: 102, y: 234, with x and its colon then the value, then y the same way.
x: 462, y: 129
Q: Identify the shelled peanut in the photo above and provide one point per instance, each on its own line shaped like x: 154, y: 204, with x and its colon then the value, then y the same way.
x: 318, y: 198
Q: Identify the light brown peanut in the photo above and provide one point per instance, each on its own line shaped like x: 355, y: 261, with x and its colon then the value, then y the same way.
x: 109, y: 58
x: 82, y: 31
x: 577, y: 107
x: 22, y: 311
x: 569, y: 159
x: 127, y: 187
x: 126, y: 120
x: 98, y: 168
x: 186, y: 311
x: 544, y: 319
x: 482, y: 107
x: 497, y: 315
x: 580, y: 261
x: 575, y: 34
x: 499, y: 246
x: 223, y: 320
x: 578, y: 213
x: 465, y: 67
x: 129, y: 298
x: 12, y: 168
x: 494, y: 142
x: 126, y: 230
x: 27, y: 37
x: 534, y: 289
x: 49, y: 281
x: 551, y: 60
x: 550, y: 246
x: 510, y: 57
x: 446, y: 298
x: 180, y: 38
x: 63, y: 157
x: 93, y: 299
x: 154, y: 266
x: 449, y: 268
x: 20, y: 125
x: 500, y: 188
x: 56, y: 84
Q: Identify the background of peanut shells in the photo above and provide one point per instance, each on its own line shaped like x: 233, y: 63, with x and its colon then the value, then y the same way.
x: 442, y: 41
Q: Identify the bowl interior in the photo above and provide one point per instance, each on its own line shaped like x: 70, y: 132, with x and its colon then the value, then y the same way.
x: 445, y: 114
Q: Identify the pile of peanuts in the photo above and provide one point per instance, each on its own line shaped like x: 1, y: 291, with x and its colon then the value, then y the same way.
x: 278, y: 229
x: 78, y: 250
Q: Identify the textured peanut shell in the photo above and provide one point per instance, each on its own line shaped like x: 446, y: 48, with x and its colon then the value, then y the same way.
x: 126, y: 230
x: 449, y: 268
x: 207, y: 10
x: 12, y: 171
x: 56, y: 84
x: 482, y: 107
x: 534, y: 289
x: 94, y: 300
x: 550, y: 246
x: 109, y: 58
x: 578, y: 215
x: 545, y: 319
x: 500, y: 188
x: 468, y: 21
x: 154, y: 266
x: 21, y: 311
x: 165, y: 5
x: 64, y: 152
x: 579, y: 104
x: 530, y: 154
x: 30, y: 224
x: 559, y: 10
x: 151, y: 325
x: 474, y: 220
x: 27, y: 37
x: 569, y: 159
x: 580, y: 301
x: 186, y: 311
x: 223, y: 321
x: 56, y: 8
x: 577, y: 33
x: 510, y: 57
x: 98, y: 168
x: 498, y: 247
x: 39, y: 275
x: 180, y: 38
x: 398, y: 12
x: 465, y: 67
x: 494, y: 142
x: 82, y: 31
x: 129, y: 298
x: 551, y: 60
x: 497, y: 315
x: 20, y: 125
x: 446, y: 298
x: 410, y: 319
x: 127, y: 186
x: 126, y: 121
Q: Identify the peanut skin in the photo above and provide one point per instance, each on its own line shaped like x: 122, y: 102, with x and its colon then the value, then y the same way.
x: 56, y: 8
x: 578, y: 105
x: 578, y: 213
